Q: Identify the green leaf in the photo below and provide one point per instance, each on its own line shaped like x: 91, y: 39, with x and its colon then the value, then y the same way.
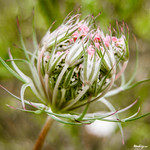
x: 12, y: 71
x: 136, y: 118
x: 37, y: 112
x: 84, y: 112
x: 26, y: 78
x: 23, y: 88
x: 126, y: 87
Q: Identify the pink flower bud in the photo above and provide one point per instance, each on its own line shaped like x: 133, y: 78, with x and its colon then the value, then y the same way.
x: 114, y: 39
x: 58, y: 53
x: 120, y: 42
x: 97, y: 45
x: 107, y: 40
x: 91, y: 50
x: 97, y: 38
x: 83, y: 29
x: 75, y: 35
x: 107, y: 43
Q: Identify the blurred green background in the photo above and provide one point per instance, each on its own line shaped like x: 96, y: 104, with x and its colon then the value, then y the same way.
x: 19, y: 130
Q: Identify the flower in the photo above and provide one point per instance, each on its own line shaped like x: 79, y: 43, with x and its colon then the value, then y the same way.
x: 74, y: 66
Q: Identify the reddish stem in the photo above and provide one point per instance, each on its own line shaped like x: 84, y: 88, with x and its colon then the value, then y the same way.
x: 40, y: 141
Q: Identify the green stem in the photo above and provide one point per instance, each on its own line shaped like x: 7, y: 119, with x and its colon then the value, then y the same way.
x: 40, y: 141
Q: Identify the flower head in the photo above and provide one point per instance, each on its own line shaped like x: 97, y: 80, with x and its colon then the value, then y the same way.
x: 74, y: 66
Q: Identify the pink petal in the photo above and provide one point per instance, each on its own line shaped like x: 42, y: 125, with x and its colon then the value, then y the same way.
x: 97, y: 45
x: 97, y: 37
x: 58, y: 53
x: 108, y: 38
x: 107, y: 44
x: 84, y: 28
x: 91, y: 50
x: 114, y: 39
x: 75, y: 35
x: 47, y: 57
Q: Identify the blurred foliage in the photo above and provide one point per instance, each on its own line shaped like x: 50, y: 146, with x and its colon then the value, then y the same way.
x: 19, y: 130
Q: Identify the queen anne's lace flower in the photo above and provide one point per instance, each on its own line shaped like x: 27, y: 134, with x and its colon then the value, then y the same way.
x: 73, y: 66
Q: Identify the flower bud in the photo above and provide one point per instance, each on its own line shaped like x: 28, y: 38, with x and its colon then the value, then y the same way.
x: 79, y: 55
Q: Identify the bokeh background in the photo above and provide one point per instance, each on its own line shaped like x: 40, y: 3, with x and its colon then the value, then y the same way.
x: 19, y: 130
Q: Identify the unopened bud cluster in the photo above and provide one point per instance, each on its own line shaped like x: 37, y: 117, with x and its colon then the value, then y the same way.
x: 78, y: 63
x: 74, y: 66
